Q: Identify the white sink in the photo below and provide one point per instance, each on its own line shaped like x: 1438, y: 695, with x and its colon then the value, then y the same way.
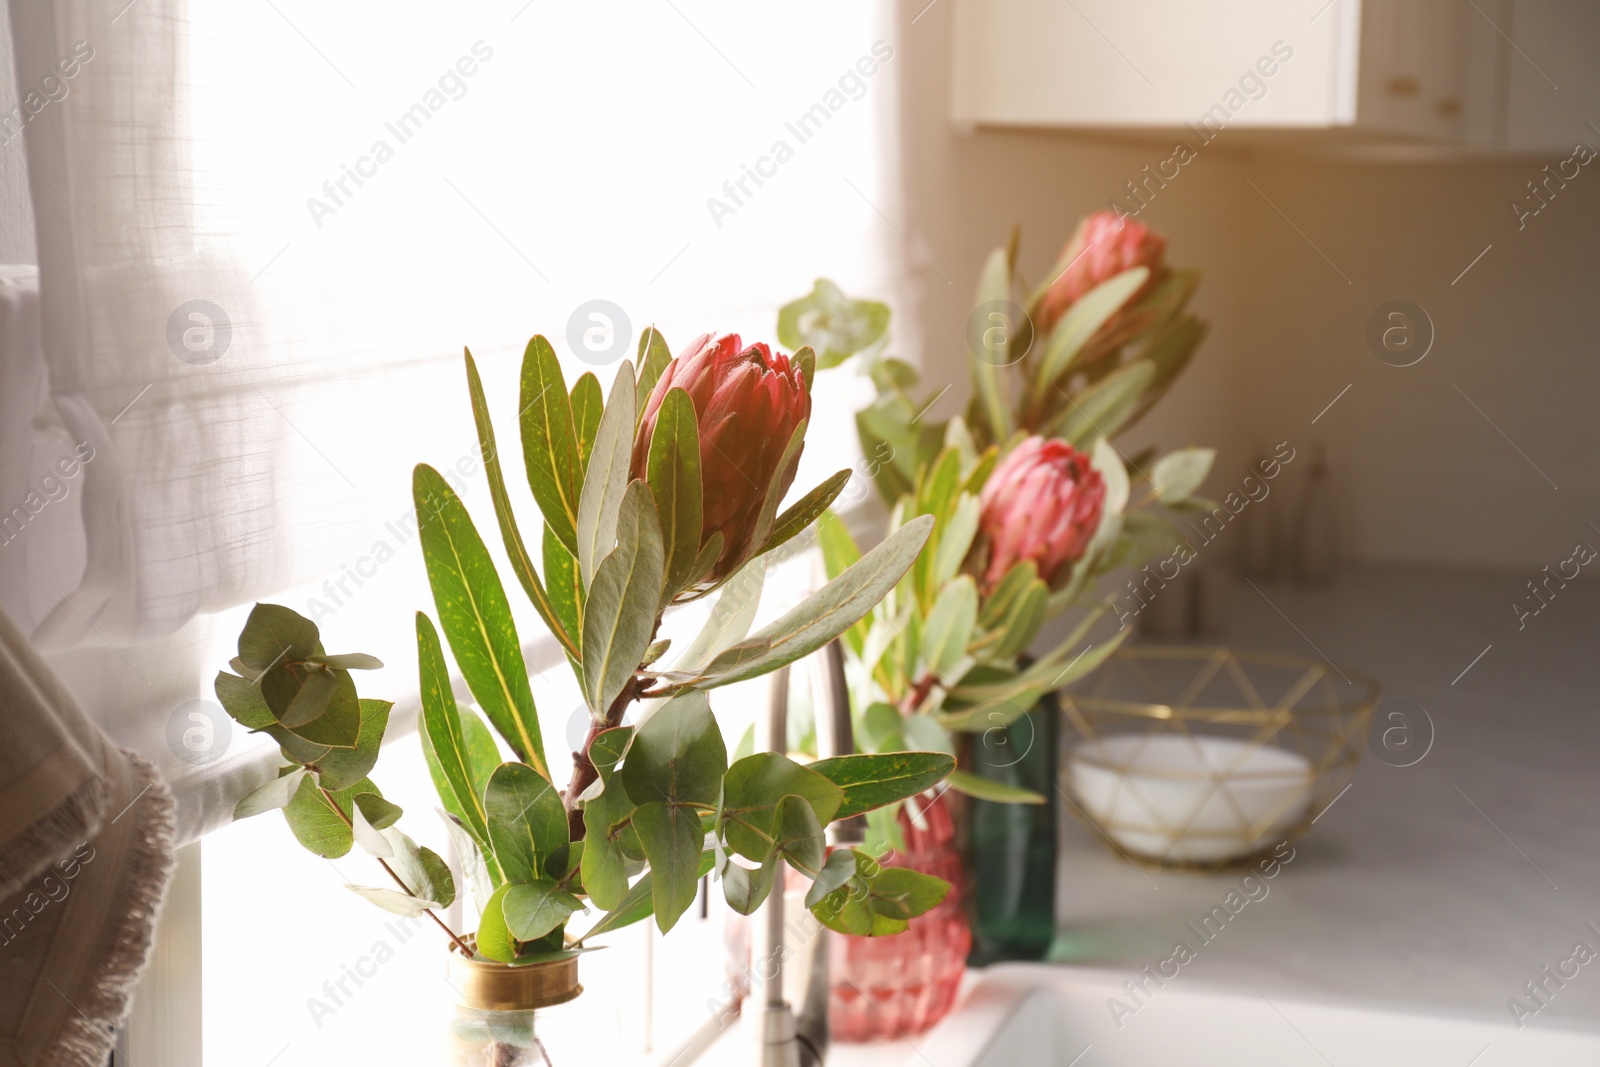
x: 1035, y: 1015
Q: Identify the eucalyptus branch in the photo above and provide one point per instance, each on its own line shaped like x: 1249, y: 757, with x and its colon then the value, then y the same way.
x: 334, y: 804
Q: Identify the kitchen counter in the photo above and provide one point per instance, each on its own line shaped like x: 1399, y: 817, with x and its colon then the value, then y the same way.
x: 1447, y: 884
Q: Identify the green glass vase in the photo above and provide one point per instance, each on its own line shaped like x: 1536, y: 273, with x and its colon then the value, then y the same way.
x: 1010, y: 849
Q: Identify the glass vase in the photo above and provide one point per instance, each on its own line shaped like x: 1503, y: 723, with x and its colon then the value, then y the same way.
x: 512, y: 1016
x: 896, y: 986
x: 1010, y: 849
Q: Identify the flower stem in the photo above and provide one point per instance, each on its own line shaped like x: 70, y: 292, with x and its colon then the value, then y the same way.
x: 584, y: 772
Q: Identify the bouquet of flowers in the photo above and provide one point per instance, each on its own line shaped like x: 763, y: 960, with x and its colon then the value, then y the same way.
x: 653, y: 495
x: 1030, y: 500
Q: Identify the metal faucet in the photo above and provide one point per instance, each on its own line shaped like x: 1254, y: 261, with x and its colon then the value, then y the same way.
x: 785, y: 1040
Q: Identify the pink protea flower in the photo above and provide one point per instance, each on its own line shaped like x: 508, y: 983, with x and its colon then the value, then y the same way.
x: 1103, y: 247
x: 1042, y: 503
x: 748, y: 402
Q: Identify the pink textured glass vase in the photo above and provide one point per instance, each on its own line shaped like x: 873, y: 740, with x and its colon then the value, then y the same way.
x: 890, y: 987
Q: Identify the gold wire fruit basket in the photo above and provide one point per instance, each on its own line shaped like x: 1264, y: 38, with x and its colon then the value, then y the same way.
x: 1207, y: 757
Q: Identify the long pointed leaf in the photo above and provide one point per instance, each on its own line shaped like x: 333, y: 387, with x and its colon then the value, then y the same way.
x: 606, y: 478
x: 654, y: 355
x: 620, y: 613
x: 825, y: 615
x: 674, y: 476
x: 1081, y: 322
x: 993, y: 285
x: 475, y: 615
x: 441, y: 726
x: 516, y: 550
x: 805, y: 511
x: 549, y: 446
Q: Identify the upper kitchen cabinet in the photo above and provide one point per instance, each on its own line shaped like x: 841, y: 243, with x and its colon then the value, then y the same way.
x: 1436, y: 75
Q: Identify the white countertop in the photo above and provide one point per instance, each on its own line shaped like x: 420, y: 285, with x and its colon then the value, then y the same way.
x: 1404, y: 892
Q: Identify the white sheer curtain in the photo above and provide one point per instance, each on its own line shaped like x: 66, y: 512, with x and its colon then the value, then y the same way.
x: 265, y: 230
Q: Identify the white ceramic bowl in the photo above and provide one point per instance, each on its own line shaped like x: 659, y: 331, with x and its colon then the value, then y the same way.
x: 1183, y: 799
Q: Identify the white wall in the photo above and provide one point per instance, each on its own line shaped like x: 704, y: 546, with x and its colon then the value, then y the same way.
x: 1420, y: 475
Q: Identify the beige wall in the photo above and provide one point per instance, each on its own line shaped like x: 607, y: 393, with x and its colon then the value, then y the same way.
x: 1419, y: 474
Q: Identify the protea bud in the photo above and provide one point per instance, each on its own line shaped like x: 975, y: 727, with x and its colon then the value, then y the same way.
x: 1104, y: 246
x: 748, y: 402
x: 1042, y: 503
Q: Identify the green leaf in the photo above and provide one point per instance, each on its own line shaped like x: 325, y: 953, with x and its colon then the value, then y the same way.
x: 1002, y: 600
x: 533, y: 909
x: 351, y: 661
x: 788, y: 463
x: 494, y: 936
x: 654, y: 355
x: 442, y: 735
x: 754, y: 787
x: 620, y: 613
x: 949, y: 626
x: 340, y: 768
x: 955, y: 539
x: 317, y: 824
x: 392, y: 900
x: 746, y: 890
x: 823, y: 616
x: 994, y: 284
x: 639, y: 902
x: 476, y: 616
x: 672, y: 841
x: 1170, y: 350
x: 606, y: 477
x: 604, y: 865
x: 1177, y: 475
x: 588, y: 401
x: 1103, y: 407
x: 1027, y: 615
x: 516, y: 550
x: 471, y: 857
x: 873, y: 900
x: 1081, y: 322
x: 798, y: 835
x: 871, y: 781
x: 243, y: 702
x: 839, y: 552
x: 805, y: 511
x: 272, y: 796
x: 988, y: 789
x: 838, y: 869
x: 901, y: 893
x: 274, y: 635
x: 674, y: 477
x: 566, y: 589
x: 730, y: 617
x: 549, y: 444
x: 678, y: 755
x: 527, y: 821
x: 371, y: 813
x: 833, y: 324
